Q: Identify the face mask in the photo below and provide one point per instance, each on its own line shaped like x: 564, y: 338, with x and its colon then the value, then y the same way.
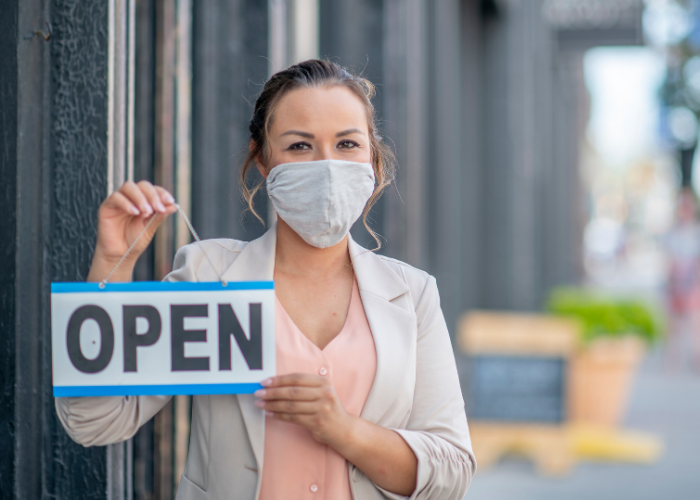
x: 320, y: 200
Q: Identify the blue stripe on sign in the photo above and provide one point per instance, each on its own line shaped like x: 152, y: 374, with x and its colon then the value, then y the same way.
x: 161, y: 286
x: 153, y: 390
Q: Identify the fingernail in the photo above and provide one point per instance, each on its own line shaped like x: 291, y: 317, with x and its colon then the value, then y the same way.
x: 266, y: 382
x: 270, y: 413
x: 135, y: 211
x: 260, y: 393
x: 260, y: 404
x: 147, y: 210
x: 169, y: 198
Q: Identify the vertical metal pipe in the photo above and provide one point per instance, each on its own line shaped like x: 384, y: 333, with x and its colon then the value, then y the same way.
x: 444, y: 226
x: 183, y: 116
x: 115, y: 471
x: 183, y: 193
x: 164, y: 242
x: 163, y: 466
x: 119, y: 93
x: 110, y: 96
x: 394, y: 118
x: 130, y: 97
x: 131, y: 88
x: 119, y: 155
x: 405, y: 88
x: 165, y: 126
x: 277, y: 35
x: 129, y: 466
x: 471, y: 165
x: 414, y: 168
x: 304, y: 42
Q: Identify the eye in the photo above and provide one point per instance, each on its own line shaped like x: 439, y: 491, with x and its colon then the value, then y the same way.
x: 299, y: 146
x: 348, y: 144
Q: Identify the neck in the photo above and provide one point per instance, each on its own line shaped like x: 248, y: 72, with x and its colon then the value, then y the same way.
x: 295, y: 256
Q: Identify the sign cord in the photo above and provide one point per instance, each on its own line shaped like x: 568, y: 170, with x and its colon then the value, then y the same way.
x: 199, y: 243
x: 143, y: 231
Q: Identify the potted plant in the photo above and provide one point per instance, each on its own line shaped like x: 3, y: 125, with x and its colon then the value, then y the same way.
x: 615, y: 333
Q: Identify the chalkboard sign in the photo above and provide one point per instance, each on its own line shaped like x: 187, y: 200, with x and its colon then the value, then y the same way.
x: 513, y: 367
x: 516, y: 388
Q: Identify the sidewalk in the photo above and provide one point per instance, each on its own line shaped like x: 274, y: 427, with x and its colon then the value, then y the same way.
x: 667, y: 405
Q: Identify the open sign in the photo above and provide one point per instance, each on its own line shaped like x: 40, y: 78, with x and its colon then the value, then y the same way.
x: 147, y: 338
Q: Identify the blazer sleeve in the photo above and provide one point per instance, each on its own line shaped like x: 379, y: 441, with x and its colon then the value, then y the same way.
x: 437, y: 429
x: 98, y: 421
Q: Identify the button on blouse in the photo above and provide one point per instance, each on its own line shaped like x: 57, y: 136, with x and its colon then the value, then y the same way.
x: 295, y: 465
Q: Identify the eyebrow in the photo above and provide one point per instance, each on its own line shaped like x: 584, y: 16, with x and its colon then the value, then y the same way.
x: 348, y: 132
x: 312, y: 136
x: 299, y: 132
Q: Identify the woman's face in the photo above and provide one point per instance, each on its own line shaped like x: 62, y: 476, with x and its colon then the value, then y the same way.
x: 323, y: 123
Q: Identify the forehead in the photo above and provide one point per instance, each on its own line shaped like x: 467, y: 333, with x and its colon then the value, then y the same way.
x: 326, y: 107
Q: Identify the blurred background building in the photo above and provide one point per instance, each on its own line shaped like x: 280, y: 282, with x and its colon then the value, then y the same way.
x: 496, y: 109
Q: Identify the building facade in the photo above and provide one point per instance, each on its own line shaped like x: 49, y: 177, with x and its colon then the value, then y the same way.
x: 483, y: 101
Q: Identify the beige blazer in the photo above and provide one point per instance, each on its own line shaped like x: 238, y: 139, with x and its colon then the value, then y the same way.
x: 415, y: 392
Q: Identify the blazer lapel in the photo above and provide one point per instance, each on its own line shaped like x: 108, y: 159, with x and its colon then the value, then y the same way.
x: 255, y: 263
x: 393, y: 327
x: 257, y: 260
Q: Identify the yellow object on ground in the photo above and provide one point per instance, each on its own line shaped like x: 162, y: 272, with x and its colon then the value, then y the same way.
x: 556, y: 449
x: 548, y: 446
x: 615, y: 445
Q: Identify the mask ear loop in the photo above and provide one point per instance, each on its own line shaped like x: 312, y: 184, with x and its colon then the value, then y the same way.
x: 224, y: 283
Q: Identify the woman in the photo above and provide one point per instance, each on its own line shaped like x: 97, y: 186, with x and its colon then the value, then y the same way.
x: 683, y: 285
x: 367, y: 402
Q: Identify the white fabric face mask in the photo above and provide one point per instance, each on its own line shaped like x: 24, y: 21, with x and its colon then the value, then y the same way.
x: 320, y: 200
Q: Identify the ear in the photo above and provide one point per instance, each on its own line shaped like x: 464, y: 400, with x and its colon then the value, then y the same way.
x: 258, y: 163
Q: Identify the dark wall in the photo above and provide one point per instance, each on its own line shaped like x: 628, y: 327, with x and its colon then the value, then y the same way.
x: 530, y: 236
x: 78, y: 170
x: 144, y: 110
x: 229, y: 70
x: 351, y: 34
x: 8, y: 231
x: 54, y: 166
x: 473, y: 15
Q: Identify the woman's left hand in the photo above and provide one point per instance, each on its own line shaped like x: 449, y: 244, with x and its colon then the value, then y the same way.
x: 306, y: 400
x: 311, y: 401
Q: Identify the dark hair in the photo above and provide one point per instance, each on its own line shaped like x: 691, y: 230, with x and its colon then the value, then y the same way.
x: 316, y: 73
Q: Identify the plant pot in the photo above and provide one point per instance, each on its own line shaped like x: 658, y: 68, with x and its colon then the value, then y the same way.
x: 600, y: 380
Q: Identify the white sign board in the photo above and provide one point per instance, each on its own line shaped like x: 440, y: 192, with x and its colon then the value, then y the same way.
x: 148, y: 338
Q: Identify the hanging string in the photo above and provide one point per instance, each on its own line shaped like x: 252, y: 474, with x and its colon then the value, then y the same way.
x: 143, y: 231
x: 199, y: 243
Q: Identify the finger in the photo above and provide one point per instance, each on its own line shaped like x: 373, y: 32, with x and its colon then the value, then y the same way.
x: 121, y: 202
x: 294, y: 392
x: 165, y: 195
x: 287, y: 406
x: 137, y: 197
x: 149, y: 227
x: 152, y: 196
x: 157, y: 221
x: 303, y: 379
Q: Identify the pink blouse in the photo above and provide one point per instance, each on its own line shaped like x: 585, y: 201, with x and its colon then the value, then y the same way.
x: 296, y: 466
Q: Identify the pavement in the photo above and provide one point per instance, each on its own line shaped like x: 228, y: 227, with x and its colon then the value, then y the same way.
x: 664, y: 403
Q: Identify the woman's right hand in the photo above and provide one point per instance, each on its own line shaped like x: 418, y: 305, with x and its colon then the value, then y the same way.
x: 121, y: 218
